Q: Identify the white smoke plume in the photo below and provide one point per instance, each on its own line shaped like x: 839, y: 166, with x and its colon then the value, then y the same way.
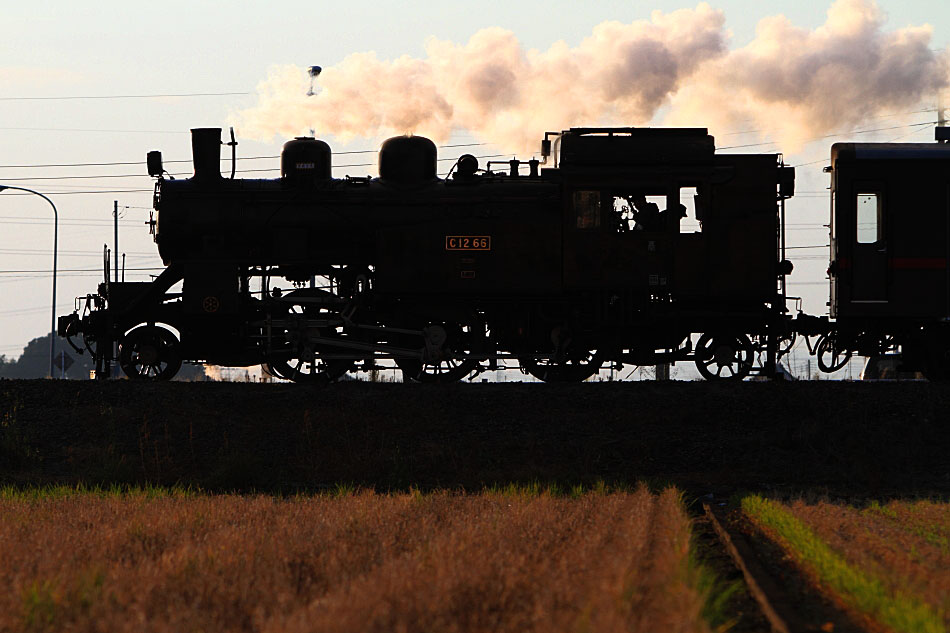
x: 800, y: 84
x: 213, y: 372
x: 675, y: 69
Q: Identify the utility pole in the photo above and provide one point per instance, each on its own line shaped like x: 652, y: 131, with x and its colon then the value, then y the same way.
x: 115, y: 222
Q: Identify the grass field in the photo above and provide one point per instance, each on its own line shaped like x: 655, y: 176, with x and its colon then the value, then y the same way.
x: 890, y: 563
x: 505, y: 560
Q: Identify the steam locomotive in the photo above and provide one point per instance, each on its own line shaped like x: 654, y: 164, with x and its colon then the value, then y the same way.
x: 622, y: 246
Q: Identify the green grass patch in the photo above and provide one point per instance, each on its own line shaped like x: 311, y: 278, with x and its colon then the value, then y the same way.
x: 49, y: 605
x: 717, y: 593
x: 856, y: 587
x: 933, y: 534
x: 558, y: 490
x: 11, y: 492
x: 47, y: 492
x: 876, y: 508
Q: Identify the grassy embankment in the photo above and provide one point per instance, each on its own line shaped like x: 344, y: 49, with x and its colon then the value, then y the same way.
x: 867, y: 439
x: 888, y: 563
x: 514, y: 559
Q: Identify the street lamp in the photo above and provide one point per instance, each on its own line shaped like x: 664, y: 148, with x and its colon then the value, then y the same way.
x: 55, y: 247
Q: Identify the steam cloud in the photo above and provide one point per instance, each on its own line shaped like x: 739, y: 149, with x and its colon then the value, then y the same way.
x: 675, y: 69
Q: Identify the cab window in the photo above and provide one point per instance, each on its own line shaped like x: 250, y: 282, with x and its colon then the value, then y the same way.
x: 652, y: 210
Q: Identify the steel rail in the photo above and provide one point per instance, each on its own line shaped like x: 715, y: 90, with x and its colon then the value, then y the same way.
x: 781, y: 616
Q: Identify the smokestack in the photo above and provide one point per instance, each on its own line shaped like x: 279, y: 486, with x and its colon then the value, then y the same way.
x: 206, y: 152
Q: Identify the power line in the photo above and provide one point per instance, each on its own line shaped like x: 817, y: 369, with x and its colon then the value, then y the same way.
x: 820, y: 160
x: 153, y: 96
x: 49, y: 251
x: 64, y: 306
x: 239, y: 171
x: 224, y: 159
x: 96, y: 191
x: 879, y: 116
x: 67, y: 222
x: 76, y: 129
x: 897, y: 138
x: 87, y: 273
x: 70, y: 270
x: 826, y: 136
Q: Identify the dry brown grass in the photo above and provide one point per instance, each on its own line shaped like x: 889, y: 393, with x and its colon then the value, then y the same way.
x: 906, y: 545
x: 356, y: 562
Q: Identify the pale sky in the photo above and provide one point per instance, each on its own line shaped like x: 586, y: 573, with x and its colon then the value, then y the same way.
x: 63, y: 49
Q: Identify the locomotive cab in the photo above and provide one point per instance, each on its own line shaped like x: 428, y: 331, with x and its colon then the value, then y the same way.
x: 657, y: 212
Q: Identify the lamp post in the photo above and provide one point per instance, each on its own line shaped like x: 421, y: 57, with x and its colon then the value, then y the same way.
x: 55, y: 250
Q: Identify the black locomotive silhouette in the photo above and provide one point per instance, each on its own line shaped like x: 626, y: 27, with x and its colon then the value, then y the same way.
x: 623, y: 246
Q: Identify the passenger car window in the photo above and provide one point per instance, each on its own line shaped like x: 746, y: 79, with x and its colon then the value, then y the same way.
x: 868, y: 218
x: 587, y: 209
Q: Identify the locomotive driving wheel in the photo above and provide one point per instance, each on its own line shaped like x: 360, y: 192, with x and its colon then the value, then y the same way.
x: 721, y: 356
x: 150, y: 353
x: 445, y: 353
x: 302, y: 350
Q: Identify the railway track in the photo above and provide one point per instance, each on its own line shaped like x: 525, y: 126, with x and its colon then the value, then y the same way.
x: 771, y: 599
x: 786, y: 600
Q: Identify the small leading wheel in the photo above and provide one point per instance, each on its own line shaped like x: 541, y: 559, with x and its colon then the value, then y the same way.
x: 150, y: 353
x: 724, y: 356
x: 831, y: 357
x: 445, y: 354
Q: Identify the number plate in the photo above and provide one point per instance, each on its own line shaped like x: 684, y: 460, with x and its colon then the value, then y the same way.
x: 468, y: 242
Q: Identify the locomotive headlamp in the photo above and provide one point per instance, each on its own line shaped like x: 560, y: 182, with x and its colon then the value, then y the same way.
x: 154, y: 162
